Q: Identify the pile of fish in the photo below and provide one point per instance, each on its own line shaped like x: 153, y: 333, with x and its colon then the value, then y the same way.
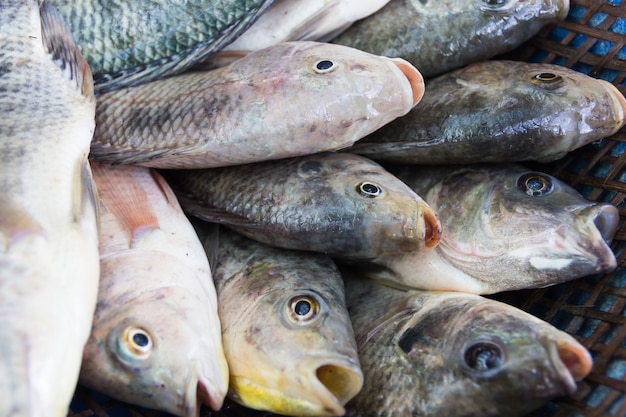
x: 298, y: 208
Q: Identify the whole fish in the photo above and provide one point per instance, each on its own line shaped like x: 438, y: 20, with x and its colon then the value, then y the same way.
x: 286, y: 100
x: 449, y: 354
x: 295, y: 20
x: 500, y: 111
x: 131, y: 42
x: 285, y: 328
x: 156, y: 337
x: 504, y: 228
x: 439, y: 36
x: 48, y: 228
x: 336, y: 203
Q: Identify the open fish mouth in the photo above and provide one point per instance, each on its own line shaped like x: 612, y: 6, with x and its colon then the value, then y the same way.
x: 201, y: 391
x: 572, y: 361
x: 415, y: 79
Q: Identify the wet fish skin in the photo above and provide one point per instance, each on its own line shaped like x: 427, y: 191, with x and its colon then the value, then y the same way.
x: 274, y: 103
x: 48, y: 226
x: 128, y: 43
x: 155, y: 286
x: 500, y: 111
x: 297, y: 364
x: 439, y: 36
x: 314, y: 202
x: 498, y: 237
x: 452, y: 354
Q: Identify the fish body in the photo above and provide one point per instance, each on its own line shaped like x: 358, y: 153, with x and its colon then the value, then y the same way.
x: 439, y: 36
x: 128, y: 43
x: 430, y: 353
x: 335, y: 203
x: 504, y: 227
x: 500, y: 111
x: 286, y: 100
x: 48, y: 227
x: 156, y: 337
x: 285, y: 328
x: 295, y: 20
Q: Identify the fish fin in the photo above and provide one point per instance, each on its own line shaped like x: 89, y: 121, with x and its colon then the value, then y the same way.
x: 15, y: 224
x: 165, y: 188
x: 58, y: 42
x: 209, y: 235
x: 120, y: 193
x: 105, y: 152
x: 84, y: 193
x: 198, y: 209
x: 315, y: 28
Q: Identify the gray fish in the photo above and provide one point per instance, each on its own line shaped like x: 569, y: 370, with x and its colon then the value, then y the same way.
x: 500, y: 111
x: 336, y: 203
x: 290, y: 99
x: 285, y: 328
x: 156, y: 339
x: 132, y: 42
x: 449, y: 354
x: 48, y: 226
x: 439, y: 36
x: 504, y: 228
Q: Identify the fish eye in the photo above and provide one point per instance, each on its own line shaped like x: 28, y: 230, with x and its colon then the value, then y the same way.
x: 494, y: 5
x: 369, y: 189
x: 483, y: 356
x: 535, y: 184
x: 324, y: 66
x: 310, y: 168
x: 303, y: 308
x: 137, y: 342
x: 547, y: 80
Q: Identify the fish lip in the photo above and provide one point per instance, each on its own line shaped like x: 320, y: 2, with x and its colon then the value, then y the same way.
x: 414, y: 78
x: 572, y: 361
x: 198, y: 391
x: 619, y: 105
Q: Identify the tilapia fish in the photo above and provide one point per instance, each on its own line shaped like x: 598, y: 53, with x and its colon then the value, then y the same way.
x: 439, y: 36
x: 131, y: 42
x: 500, y: 111
x: 504, y: 228
x: 339, y: 204
x: 48, y: 229
x: 156, y: 337
x: 285, y: 328
x: 286, y: 100
x: 447, y: 354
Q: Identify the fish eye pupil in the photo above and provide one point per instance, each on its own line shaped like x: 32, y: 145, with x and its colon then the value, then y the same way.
x: 535, y: 184
x: 324, y: 65
x: 483, y: 356
x: 548, y: 80
x: 546, y: 76
x: 302, y: 308
x: 495, y: 3
x: 141, y: 339
x: 367, y: 189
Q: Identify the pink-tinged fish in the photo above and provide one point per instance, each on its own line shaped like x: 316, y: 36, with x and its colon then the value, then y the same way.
x: 449, y: 354
x: 286, y: 100
x: 504, y: 227
x: 48, y: 228
x: 156, y: 337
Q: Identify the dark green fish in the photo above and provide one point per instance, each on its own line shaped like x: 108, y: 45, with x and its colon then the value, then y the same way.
x: 131, y: 42
x: 504, y: 227
x: 440, y: 35
x: 500, y: 111
x: 286, y: 331
x: 336, y: 203
x: 449, y: 354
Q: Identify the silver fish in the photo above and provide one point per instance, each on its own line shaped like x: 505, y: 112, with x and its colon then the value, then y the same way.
x: 286, y: 100
x: 156, y: 337
x: 504, y: 228
x: 442, y: 35
x: 286, y: 331
x: 48, y: 227
x: 500, y: 111
x: 132, y: 42
x: 449, y: 354
x: 340, y: 204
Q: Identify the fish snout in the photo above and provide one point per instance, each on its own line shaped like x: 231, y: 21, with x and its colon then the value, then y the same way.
x: 414, y: 77
x: 619, y: 105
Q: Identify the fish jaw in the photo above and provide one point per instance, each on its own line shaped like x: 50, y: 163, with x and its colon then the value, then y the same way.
x: 322, y: 387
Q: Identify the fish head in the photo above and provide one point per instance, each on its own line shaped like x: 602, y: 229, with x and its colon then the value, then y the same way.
x: 349, y: 93
x: 488, y: 358
x: 519, y: 11
x: 292, y: 350
x: 369, y: 211
x: 155, y: 347
x: 515, y: 228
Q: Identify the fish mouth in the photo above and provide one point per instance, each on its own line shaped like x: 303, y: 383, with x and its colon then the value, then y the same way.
x: 606, y: 220
x: 573, y: 363
x: 321, y: 391
x: 563, y: 9
x: 619, y: 105
x: 429, y: 223
x: 202, y: 391
x: 414, y: 77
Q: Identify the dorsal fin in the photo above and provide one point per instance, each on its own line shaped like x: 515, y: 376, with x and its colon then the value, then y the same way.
x: 58, y: 42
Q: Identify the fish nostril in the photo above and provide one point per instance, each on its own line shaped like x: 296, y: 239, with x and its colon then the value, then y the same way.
x: 343, y: 383
x: 606, y: 220
x: 414, y: 76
